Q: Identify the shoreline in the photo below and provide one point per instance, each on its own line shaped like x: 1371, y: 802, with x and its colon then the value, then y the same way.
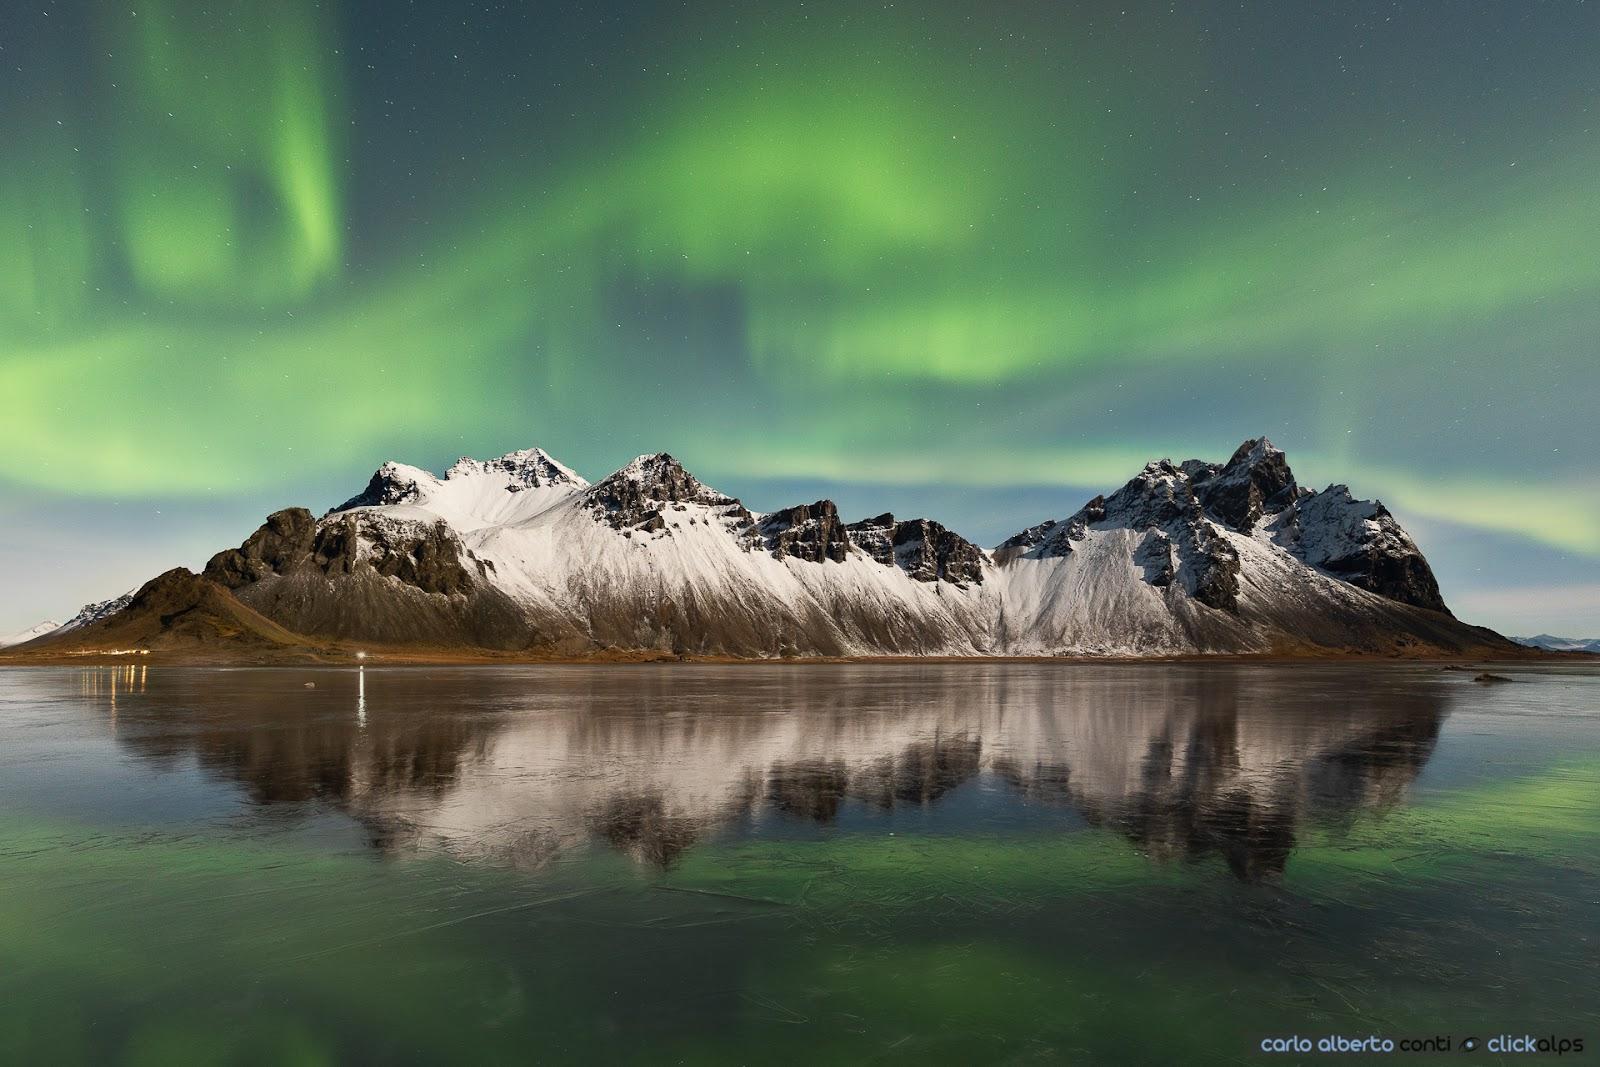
x: 339, y: 657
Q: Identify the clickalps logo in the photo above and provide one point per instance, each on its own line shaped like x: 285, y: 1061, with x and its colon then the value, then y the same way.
x: 1526, y: 1043
x: 1368, y: 1044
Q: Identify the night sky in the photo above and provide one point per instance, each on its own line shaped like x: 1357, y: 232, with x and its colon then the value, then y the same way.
x: 978, y: 261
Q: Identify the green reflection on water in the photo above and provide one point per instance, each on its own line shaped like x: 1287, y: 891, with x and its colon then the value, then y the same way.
x: 1473, y: 907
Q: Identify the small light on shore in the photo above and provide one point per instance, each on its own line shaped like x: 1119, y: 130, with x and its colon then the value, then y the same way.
x: 361, y: 655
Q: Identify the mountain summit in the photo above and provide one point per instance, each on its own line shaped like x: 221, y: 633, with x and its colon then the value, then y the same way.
x: 519, y: 554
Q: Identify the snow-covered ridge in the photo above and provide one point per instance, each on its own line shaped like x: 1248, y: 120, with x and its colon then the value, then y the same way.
x: 474, y: 493
x: 528, y: 468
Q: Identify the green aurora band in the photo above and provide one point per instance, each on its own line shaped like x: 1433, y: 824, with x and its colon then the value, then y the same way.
x: 855, y: 247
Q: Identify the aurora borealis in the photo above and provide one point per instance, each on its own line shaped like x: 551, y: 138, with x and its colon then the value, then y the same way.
x: 979, y: 261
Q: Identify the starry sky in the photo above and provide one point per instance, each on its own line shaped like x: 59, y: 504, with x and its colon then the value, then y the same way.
x: 978, y: 261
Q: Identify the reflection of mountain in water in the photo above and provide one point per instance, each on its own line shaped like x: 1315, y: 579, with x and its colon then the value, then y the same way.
x: 517, y: 766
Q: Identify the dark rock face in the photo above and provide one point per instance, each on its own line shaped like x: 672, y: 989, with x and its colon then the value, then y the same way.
x: 1210, y: 567
x: 283, y: 542
x: 389, y: 485
x: 100, y: 609
x: 1361, y: 543
x: 657, y: 479
x: 1154, y: 557
x: 1256, y: 481
x: 428, y: 557
x: 1160, y: 499
x: 924, y: 549
x: 928, y: 552
x: 875, y: 537
x: 807, y: 531
x: 1354, y: 540
x: 1405, y: 577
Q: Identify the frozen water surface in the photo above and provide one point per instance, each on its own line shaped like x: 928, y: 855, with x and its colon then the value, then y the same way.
x: 969, y: 863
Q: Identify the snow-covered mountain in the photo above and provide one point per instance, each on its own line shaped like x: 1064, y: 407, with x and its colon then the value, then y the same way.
x: 23, y: 636
x: 521, y: 554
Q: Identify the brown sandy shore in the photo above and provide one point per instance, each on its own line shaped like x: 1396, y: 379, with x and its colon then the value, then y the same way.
x: 331, y: 655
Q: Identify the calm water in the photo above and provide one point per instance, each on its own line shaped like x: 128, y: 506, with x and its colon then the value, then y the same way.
x: 987, y: 863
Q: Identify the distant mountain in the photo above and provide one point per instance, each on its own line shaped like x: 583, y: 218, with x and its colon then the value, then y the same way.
x: 1551, y: 643
x: 100, y: 609
x: 23, y: 636
x: 521, y: 555
x: 87, y: 614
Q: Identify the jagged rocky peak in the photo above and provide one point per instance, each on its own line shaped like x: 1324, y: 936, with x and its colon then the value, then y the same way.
x: 1053, y: 537
x: 663, y: 478
x: 875, y: 537
x: 527, y: 468
x: 1179, y: 546
x: 1360, y: 542
x: 1256, y: 481
x: 807, y: 531
x: 1157, y: 495
x: 100, y: 609
x: 634, y: 497
x: 926, y: 550
x: 1254, y: 494
x: 392, y: 483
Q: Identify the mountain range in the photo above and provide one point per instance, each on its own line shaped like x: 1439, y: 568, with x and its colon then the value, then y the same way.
x: 521, y: 556
x: 1551, y: 643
